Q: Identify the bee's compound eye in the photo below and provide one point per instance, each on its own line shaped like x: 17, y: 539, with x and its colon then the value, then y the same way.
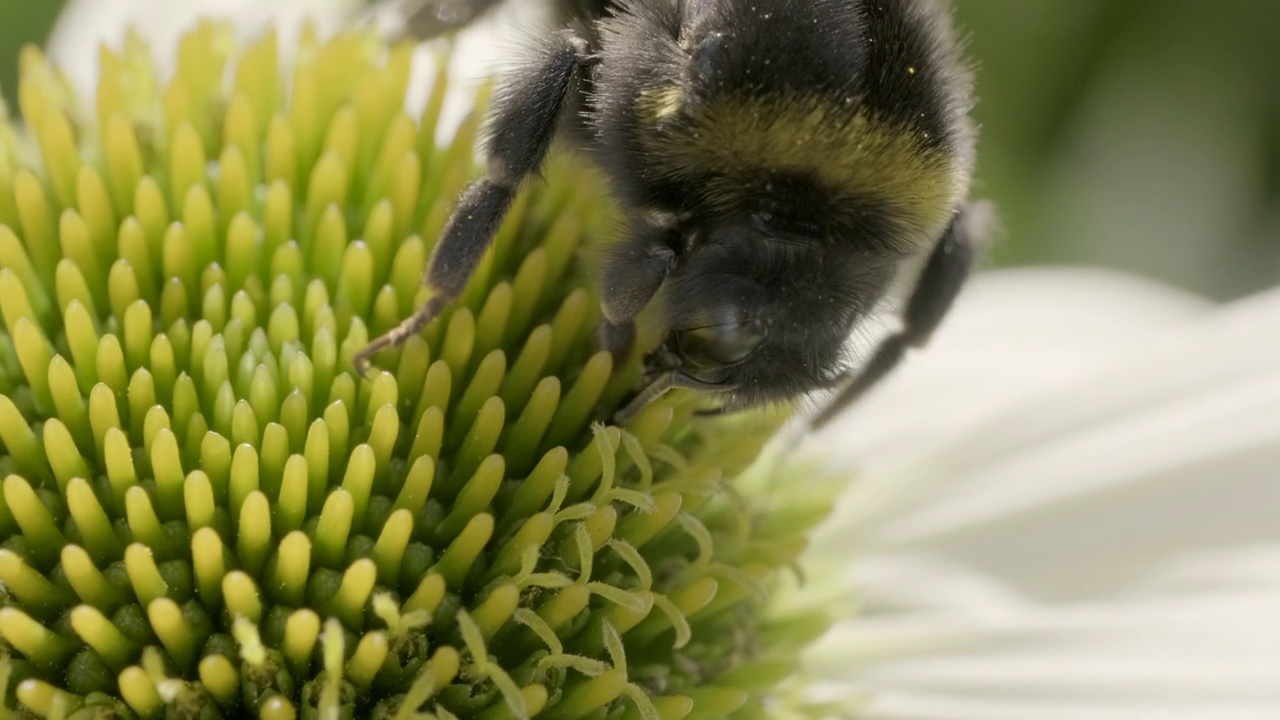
x: 719, y: 345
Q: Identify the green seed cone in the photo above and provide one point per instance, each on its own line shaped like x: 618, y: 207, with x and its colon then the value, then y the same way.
x: 206, y: 513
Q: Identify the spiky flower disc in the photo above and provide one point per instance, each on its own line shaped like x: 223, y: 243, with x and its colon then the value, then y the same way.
x: 205, y: 512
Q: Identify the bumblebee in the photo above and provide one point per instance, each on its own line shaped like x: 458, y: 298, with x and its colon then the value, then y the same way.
x: 784, y: 166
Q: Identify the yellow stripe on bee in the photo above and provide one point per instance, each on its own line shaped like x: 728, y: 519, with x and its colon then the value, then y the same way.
x: 662, y: 103
x: 852, y: 154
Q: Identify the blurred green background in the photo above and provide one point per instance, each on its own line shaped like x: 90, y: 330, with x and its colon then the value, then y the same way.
x: 22, y: 22
x: 1138, y: 134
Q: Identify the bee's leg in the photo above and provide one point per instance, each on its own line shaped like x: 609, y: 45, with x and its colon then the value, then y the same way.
x: 521, y: 125
x: 425, y: 19
x: 633, y: 272
x: 936, y: 289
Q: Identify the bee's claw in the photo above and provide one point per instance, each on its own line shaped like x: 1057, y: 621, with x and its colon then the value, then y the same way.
x: 362, y: 363
x: 398, y: 334
x: 363, y: 360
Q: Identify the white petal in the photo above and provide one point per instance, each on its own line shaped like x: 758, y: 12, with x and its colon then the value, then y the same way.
x: 1096, y: 539
x: 1173, y: 448
x: 490, y: 44
x: 85, y: 25
x: 1012, y: 334
x: 990, y: 651
x: 889, y: 706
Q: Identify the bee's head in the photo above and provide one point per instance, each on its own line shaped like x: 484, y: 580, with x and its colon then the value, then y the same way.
x: 760, y: 313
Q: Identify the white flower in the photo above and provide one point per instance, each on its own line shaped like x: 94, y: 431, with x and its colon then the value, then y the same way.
x: 1068, y: 506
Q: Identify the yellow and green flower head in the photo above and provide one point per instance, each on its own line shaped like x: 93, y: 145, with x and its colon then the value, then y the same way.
x: 207, y: 513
